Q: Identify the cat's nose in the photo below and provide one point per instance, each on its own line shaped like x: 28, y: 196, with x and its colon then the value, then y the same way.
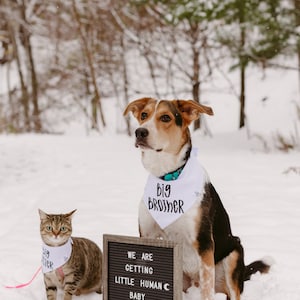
x: 56, y: 233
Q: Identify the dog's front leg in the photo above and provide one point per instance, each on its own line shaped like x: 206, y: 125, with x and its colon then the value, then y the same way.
x: 207, y: 275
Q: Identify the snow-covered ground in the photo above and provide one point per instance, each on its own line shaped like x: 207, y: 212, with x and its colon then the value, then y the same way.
x: 103, y: 178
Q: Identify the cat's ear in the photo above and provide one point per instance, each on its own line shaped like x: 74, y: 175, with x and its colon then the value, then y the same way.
x: 70, y: 214
x: 43, y: 215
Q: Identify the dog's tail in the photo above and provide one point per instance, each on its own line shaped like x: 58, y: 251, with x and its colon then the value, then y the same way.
x: 262, y: 266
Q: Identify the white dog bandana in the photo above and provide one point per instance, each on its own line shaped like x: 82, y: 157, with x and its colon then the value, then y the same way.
x: 55, y: 257
x: 167, y: 201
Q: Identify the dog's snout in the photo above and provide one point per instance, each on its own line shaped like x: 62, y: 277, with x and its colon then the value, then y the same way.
x: 141, y: 133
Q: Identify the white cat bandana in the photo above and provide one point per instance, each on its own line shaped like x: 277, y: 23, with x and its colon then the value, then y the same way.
x: 55, y: 257
x: 167, y: 201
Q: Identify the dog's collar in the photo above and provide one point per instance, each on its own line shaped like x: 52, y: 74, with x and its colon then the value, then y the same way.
x: 172, y: 175
x: 175, y: 174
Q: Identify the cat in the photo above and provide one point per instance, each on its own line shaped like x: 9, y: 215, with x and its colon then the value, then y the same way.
x: 69, y: 263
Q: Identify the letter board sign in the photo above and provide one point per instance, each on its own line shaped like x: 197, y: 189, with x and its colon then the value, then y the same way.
x: 141, y: 269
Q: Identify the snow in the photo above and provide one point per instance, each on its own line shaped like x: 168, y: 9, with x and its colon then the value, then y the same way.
x: 103, y: 178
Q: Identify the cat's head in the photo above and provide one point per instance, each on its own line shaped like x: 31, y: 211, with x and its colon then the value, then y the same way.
x: 55, y: 229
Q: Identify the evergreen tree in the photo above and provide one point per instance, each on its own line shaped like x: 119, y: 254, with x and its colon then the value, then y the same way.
x: 293, y: 27
x: 260, y: 36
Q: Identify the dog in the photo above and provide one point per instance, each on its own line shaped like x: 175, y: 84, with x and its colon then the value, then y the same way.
x: 213, y: 259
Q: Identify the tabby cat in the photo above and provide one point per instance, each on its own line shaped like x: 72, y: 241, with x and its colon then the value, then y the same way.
x: 69, y: 263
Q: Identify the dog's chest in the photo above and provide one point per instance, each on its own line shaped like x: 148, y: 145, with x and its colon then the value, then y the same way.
x: 184, y: 229
x: 171, y: 202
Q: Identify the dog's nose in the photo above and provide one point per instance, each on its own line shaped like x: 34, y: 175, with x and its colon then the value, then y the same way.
x: 141, y: 133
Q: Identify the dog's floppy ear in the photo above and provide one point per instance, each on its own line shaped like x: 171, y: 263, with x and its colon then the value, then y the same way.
x: 136, y: 106
x: 191, y: 109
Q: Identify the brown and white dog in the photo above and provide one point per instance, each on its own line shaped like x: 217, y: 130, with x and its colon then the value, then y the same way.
x: 213, y: 259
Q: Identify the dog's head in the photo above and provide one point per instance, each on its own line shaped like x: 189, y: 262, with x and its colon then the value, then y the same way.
x: 163, y: 130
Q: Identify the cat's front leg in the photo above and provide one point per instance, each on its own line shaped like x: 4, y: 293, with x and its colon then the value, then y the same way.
x: 51, y: 292
x: 51, y: 289
x: 69, y: 290
x: 67, y: 296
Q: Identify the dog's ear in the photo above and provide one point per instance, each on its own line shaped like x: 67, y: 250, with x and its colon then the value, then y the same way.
x: 191, y: 109
x: 136, y: 106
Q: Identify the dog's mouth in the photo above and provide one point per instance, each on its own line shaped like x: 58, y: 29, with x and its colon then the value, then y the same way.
x: 142, y: 144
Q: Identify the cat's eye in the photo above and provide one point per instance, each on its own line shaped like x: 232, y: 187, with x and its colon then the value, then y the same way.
x: 144, y: 115
x: 165, y: 118
x: 63, y: 229
x: 49, y: 228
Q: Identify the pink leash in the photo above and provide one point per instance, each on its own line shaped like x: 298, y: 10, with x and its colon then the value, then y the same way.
x: 25, y: 284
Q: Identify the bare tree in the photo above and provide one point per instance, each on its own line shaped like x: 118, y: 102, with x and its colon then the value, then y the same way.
x: 171, y: 49
x: 96, y: 99
x: 13, y: 29
x: 25, y: 30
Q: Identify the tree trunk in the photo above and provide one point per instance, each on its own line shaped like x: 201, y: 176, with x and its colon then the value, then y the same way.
x: 34, y: 82
x: 57, y: 33
x: 96, y: 101
x: 242, y: 96
x: 196, y: 69
x: 196, y: 97
x: 297, y: 17
x: 94, y: 111
x: 24, y: 92
x: 242, y: 64
x: 151, y: 67
x: 125, y: 83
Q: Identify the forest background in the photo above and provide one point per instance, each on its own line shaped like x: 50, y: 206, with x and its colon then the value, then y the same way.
x: 69, y: 68
x: 60, y: 60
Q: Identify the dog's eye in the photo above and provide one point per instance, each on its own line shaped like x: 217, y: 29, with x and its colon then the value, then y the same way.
x: 144, y: 115
x: 165, y: 118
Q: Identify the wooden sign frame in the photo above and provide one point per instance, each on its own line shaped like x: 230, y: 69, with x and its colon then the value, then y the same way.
x: 141, y: 269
